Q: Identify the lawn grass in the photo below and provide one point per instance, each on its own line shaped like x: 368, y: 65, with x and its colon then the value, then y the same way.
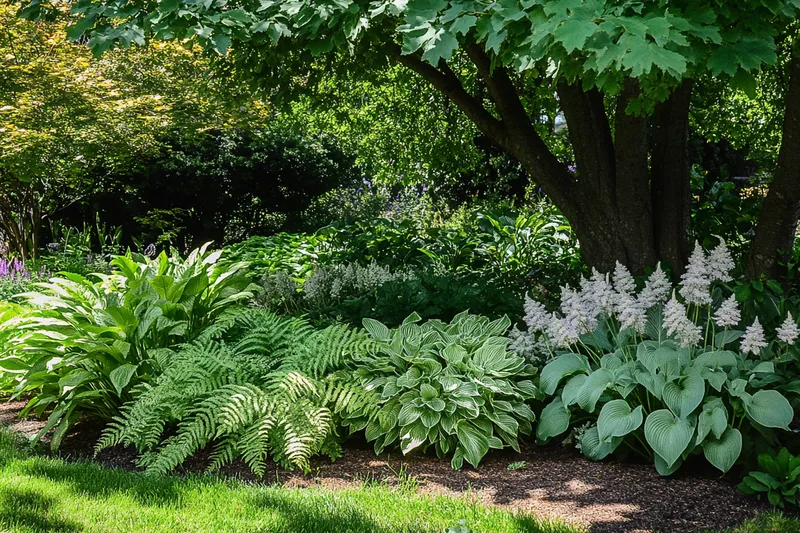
x: 39, y: 494
x: 773, y: 522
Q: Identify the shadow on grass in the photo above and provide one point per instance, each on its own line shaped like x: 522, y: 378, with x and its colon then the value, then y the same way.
x: 96, y: 482
x: 22, y: 508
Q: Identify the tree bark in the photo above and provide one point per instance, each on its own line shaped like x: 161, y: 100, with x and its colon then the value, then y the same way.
x: 777, y: 222
x: 671, y: 178
x: 619, y: 209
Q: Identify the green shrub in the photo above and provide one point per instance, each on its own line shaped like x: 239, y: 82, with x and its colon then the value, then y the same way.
x: 779, y: 478
x: 665, y: 381
x: 257, y: 386
x: 454, y: 387
x: 84, y: 345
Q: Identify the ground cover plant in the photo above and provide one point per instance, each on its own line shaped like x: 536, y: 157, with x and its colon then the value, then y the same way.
x: 453, y: 387
x: 80, y: 346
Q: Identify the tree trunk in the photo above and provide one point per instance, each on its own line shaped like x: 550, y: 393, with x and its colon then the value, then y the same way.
x: 620, y: 207
x: 671, y: 179
x: 777, y: 222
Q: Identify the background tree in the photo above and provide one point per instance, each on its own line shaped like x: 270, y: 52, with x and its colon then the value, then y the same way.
x: 623, y: 73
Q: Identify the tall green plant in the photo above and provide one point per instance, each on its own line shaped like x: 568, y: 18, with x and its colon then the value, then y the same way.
x: 85, y: 345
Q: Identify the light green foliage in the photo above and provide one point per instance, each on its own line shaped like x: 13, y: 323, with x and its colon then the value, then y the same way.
x: 779, y: 478
x: 451, y: 386
x: 84, y: 345
x: 256, y: 386
x: 599, y: 41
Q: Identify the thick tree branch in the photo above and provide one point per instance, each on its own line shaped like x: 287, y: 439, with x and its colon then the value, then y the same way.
x: 445, y: 81
x: 524, y: 142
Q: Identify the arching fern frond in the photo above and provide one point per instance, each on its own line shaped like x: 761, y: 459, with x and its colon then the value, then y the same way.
x: 258, y: 386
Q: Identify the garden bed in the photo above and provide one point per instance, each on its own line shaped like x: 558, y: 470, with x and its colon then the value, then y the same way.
x: 556, y: 482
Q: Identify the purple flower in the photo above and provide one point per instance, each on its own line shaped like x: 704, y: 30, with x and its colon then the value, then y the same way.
x: 572, y: 168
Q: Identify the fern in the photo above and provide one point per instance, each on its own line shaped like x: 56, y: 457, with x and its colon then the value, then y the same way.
x: 256, y: 386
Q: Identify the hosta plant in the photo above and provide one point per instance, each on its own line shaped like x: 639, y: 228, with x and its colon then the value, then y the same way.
x: 665, y: 373
x: 84, y: 344
x: 256, y: 386
x: 453, y: 387
x: 778, y: 478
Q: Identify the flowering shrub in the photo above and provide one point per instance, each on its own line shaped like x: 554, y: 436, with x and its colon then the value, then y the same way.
x: 665, y: 372
x: 16, y: 278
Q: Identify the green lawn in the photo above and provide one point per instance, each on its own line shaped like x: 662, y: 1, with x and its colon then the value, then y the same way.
x: 44, y: 494
x: 40, y: 494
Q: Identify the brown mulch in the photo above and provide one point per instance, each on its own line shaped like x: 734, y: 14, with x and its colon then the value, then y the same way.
x: 557, y: 482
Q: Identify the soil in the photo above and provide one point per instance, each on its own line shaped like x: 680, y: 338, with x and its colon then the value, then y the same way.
x: 556, y: 482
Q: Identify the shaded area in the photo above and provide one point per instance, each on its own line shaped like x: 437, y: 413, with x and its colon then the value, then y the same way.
x: 556, y: 483
x: 21, y: 508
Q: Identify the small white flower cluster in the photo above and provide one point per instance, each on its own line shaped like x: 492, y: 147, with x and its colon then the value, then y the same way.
x: 679, y: 325
x: 331, y: 284
x: 703, y: 270
x: 753, y: 339
x: 788, y: 331
x: 598, y: 296
x: 728, y: 313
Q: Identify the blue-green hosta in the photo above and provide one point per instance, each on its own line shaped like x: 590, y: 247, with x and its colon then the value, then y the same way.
x: 454, y: 387
x: 665, y: 380
x: 84, y: 344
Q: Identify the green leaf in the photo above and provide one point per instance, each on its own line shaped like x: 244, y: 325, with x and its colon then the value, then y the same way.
x: 713, y: 418
x: 121, y: 376
x: 441, y: 46
x: 594, y: 387
x: 723, y: 452
x: 553, y: 421
x: 595, y: 449
x: 668, y: 435
x: 560, y: 367
x: 472, y: 441
x: 378, y: 331
x: 617, y: 420
x: 574, y: 32
x: 770, y: 409
x: 666, y: 470
x: 684, y: 395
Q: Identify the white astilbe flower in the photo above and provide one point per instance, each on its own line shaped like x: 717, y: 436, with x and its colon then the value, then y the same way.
x: 753, y: 339
x: 562, y: 334
x: 597, y: 293
x: 720, y: 263
x: 678, y: 324
x: 524, y: 344
x: 623, y: 281
x: 788, y: 332
x: 536, y: 316
x: 728, y: 313
x: 695, y: 280
x: 579, y: 315
x: 656, y: 289
x: 631, y: 314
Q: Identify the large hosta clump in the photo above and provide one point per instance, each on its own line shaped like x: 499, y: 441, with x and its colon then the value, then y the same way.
x: 664, y: 372
x: 454, y: 387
